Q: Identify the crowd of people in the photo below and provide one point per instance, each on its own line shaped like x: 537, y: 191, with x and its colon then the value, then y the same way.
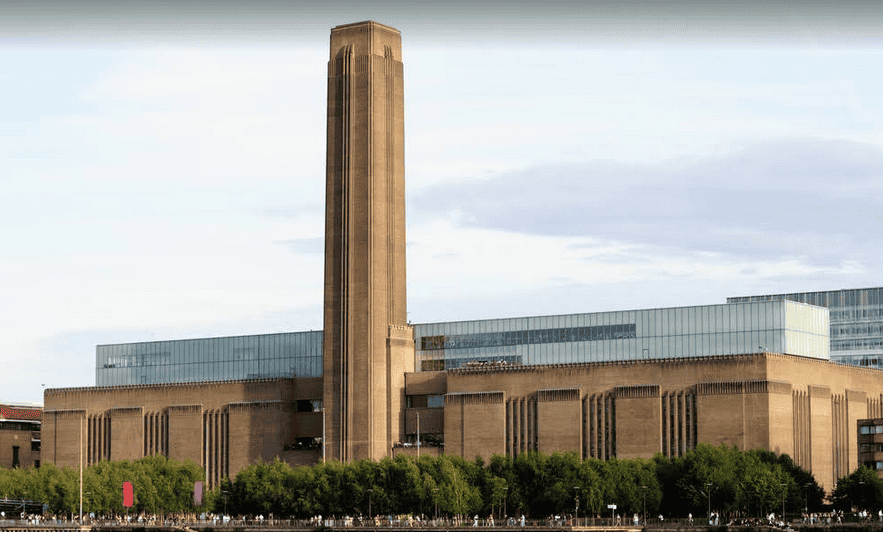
x: 771, y: 520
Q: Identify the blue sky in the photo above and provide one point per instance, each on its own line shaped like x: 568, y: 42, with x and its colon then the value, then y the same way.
x: 163, y: 163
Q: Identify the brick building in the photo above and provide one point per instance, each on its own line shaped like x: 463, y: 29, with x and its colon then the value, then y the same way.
x: 20, y: 436
x: 622, y: 384
x: 221, y: 425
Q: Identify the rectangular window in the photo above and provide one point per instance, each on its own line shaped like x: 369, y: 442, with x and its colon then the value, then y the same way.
x: 415, y: 401
x: 15, y: 458
x: 865, y: 430
x: 435, y: 400
x: 309, y: 406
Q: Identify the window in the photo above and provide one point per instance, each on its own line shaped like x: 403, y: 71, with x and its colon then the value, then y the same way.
x: 15, y: 458
x: 309, y: 406
x: 422, y: 401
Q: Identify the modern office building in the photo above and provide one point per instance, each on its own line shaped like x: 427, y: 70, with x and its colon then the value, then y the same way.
x: 668, y: 333
x: 623, y: 384
x: 275, y: 355
x: 856, y: 317
x: 20, y: 435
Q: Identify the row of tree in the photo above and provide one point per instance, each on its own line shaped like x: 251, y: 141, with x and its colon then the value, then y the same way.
x: 160, y: 486
x: 537, y: 485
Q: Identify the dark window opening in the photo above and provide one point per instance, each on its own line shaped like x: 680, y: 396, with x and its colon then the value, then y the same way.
x: 421, y: 401
x: 309, y: 406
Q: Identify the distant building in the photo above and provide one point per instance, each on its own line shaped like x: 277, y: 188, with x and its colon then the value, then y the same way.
x: 667, y: 333
x: 270, y: 356
x: 221, y: 425
x: 870, y: 444
x: 856, y: 317
x: 20, y: 436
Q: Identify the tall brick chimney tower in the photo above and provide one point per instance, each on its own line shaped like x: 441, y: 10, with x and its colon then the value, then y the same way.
x: 368, y: 345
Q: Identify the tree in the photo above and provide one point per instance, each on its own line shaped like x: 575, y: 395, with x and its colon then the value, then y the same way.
x: 861, y: 490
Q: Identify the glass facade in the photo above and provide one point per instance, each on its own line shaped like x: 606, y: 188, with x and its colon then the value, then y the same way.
x: 772, y: 326
x: 779, y: 326
x: 215, y: 359
x: 856, y: 317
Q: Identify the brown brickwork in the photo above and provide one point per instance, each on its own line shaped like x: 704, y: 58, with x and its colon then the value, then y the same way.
x: 222, y: 426
x: 20, y: 437
x: 185, y: 422
x: 478, y: 419
x: 638, y: 421
x: 559, y: 420
x: 801, y: 406
x: 368, y: 345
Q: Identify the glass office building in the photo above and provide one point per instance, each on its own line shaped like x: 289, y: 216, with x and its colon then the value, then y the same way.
x: 770, y: 326
x: 856, y: 317
x: 779, y: 326
x: 214, y: 359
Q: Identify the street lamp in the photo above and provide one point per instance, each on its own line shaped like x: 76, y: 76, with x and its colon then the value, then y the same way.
x: 644, y: 487
x: 435, y: 494
x: 370, y: 498
x: 505, y: 502
x: 576, y: 504
x: 784, y: 491
x: 708, y: 490
x: 806, y: 487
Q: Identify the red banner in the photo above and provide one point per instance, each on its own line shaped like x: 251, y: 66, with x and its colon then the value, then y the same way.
x: 128, y: 494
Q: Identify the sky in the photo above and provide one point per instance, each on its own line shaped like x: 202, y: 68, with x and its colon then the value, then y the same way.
x: 162, y: 163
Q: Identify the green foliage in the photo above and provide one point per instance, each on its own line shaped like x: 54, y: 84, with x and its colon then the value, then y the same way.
x: 727, y: 480
x: 534, y: 484
x: 860, y: 491
x: 161, y: 485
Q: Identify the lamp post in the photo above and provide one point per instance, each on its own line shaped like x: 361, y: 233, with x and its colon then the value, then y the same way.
x: 505, y: 502
x: 644, y: 488
x: 708, y: 491
x: 435, y: 497
x: 806, y: 487
x: 784, y: 492
x: 576, y: 504
x: 370, y: 498
x: 81, y: 469
x: 861, y: 494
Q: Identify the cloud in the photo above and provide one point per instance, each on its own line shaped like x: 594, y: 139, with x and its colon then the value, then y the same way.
x: 797, y: 197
